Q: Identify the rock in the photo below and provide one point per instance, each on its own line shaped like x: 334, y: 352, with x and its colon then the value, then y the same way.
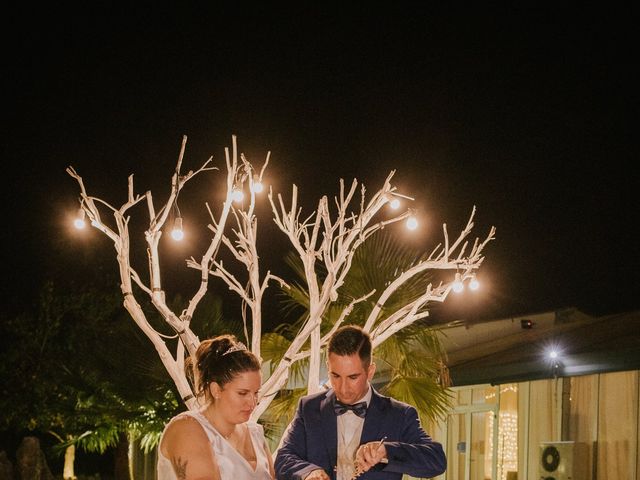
x: 6, y: 467
x: 30, y: 460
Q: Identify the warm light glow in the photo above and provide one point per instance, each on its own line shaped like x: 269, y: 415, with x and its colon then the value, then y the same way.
x: 474, y: 284
x: 258, y: 187
x: 553, y: 354
x: 395, y: 204
x: 457, y: 285
x: 507, y: 442
x: 412, y: 223
x: 79, y: 222
x: 237, y: 195
x: 177, y: 233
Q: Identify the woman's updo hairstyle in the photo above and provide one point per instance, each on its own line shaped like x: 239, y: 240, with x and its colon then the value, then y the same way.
x: 219, y: 360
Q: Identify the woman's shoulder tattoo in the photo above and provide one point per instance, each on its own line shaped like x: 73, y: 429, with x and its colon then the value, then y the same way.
x: 180, y: 467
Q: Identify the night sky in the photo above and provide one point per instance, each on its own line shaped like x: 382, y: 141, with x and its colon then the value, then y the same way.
x: 527, y: 114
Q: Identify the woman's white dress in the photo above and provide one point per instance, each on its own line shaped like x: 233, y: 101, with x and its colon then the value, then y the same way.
x: 232, y: 464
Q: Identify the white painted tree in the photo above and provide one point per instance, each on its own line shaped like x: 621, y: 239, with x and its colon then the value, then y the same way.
x: 325, y: 240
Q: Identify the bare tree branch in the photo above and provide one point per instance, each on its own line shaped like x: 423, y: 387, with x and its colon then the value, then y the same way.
x: 325, y: 241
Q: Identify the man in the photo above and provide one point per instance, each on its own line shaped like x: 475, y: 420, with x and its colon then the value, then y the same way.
x: 351, y: 429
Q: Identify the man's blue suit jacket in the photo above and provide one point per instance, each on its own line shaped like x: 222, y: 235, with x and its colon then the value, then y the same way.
x: 311, y: 440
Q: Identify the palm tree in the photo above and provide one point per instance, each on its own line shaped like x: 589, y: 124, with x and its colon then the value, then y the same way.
x: 79, y: 371
x: 410, y: 364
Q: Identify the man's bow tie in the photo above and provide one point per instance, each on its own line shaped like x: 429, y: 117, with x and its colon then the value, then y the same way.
x: 360, y: 408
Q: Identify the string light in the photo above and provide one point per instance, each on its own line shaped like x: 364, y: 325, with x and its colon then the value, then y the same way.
x: 457, y: 285
x: 176, y: 232
x: 394, y: 204
x: 257, y: 186
x: 507, y: 452
x: 507, y: 442
x: 237, y: 195
x: 79, y: 222
x: 412, y: 223
x: 474, y: 284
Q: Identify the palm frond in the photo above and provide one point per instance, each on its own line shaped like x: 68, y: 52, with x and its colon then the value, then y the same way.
x: 273, y: 348
x: 412, y: 359
x: 430, y: 400
x: 281, y: 412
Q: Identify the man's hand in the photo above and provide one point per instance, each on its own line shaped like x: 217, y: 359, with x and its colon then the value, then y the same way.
x: 317, y: 475
x: 368, y: 455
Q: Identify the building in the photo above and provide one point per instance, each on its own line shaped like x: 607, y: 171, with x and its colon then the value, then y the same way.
x: 546, y: 396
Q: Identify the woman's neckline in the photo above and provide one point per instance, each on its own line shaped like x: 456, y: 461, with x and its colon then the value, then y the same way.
x: 210, y: 419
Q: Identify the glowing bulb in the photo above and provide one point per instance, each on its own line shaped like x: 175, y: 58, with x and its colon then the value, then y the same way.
x: 457, y: 285
x: 474, y: 284
x: 79, y: 222
x: 237, y: 195
x: 258, y: 187
x: 412, y: 223
x: 553, y: 354
x: 177, y: 233
x: 395, y: 204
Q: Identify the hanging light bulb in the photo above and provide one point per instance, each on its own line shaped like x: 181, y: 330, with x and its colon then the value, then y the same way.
x: 257, y: 186
x: 394, y: 204
x: 237, y: 195
x: 412, y: 223
x: 79, y: 222
x: 474, y: 284
x: 177, y: 233
x: 457, y: 285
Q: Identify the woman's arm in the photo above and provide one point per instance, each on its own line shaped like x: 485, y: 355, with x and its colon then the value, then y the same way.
x: 186, y: 445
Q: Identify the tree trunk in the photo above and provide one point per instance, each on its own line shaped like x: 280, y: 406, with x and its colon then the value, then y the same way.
x: 121, y: 459
x: 69, y: 459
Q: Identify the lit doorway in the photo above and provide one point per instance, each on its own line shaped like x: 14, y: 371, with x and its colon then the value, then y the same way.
x: 471, y: 442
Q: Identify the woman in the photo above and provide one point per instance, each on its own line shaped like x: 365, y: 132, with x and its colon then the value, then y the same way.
x: 217, y: 442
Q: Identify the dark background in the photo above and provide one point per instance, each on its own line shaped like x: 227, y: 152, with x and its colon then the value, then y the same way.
x: 527, y: 113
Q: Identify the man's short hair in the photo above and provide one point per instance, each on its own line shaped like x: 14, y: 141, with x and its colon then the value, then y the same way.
x: 350, y: 340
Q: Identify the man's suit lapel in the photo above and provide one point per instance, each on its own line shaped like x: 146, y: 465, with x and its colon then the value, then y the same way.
x: 330, y: 427
x: 372, y: 425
